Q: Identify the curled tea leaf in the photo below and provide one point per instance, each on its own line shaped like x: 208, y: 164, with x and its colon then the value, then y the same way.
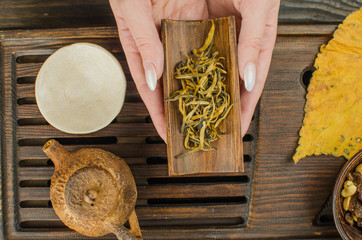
x: 203, y: 100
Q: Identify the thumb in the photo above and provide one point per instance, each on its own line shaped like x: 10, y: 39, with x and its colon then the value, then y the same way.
x: 144, y: 32
x: 254, y: 14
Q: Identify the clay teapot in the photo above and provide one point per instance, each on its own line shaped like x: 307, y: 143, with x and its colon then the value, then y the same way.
x: 93, y: 191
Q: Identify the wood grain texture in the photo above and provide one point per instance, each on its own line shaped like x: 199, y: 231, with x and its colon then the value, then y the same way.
x: 29, y: 14
x: 172, y: 203
x: 316, y: 11
x: 128, y: 109
x: 286, y: 197
x: 152, y: 192
x: 179, y: 37
x: 138, y: 170
x: 54, y: 14
x: 153, y: 213
x: 127, y: 150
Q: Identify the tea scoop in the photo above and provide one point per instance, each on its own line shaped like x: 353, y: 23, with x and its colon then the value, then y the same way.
x: 93, y: 191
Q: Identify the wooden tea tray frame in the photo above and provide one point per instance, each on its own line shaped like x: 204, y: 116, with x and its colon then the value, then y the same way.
x: 284, y: 198
x: 186, y: 207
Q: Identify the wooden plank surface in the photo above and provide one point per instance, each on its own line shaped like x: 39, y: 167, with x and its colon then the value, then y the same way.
x: 126, y: 150
x: 152, y: 213
x: 286, y: 197
x: 127, y: 130
x: 157, y: 191
x: 128, y: 109
x: 29, y: 14
x: 139, y: 171
x: 28, y: 90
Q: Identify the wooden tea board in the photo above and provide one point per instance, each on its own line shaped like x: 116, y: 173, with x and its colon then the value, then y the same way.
x: 277, y: 200
x: 164, y: 203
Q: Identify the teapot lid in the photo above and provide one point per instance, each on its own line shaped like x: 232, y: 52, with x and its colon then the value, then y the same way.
x: 91, y: 193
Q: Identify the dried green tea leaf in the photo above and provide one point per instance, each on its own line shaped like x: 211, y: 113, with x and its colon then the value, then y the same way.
x: 203, y: 100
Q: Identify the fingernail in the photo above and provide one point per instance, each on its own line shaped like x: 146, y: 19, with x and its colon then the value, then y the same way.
x: 249, y: 76
x: 150, y: 74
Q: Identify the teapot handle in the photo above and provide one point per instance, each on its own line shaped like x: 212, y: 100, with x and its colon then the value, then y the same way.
x: 134, y: 226
x: 122, y: 233
x: 134, y: 233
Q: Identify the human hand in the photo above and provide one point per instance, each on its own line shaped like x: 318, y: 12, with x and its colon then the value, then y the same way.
x: 139, y: 35
x: 139, y: 23
x: 258, y: 21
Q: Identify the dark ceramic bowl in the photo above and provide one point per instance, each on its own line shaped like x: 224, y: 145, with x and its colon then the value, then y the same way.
x: 346, y: 231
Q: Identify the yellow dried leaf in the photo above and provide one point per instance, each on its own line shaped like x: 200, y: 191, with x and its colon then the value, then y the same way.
x: 333, y: 111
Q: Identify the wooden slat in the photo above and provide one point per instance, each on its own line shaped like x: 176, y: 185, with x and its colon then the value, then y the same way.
x: 125, y: 150
x: 128, y: 109
x: 30, y: 111
x: 32, y: 69
x: 114, y: 129
x: 25, y: 90
x: 187, y: 212
x: 139, y: 171
x: 153, y: 213
x: 109, y: 43
x: 34, y: 193
x: 45, y: 173
x: 27, y: 69
x: 159, y: 191
x: 28, y: 90
x: 304, y: 29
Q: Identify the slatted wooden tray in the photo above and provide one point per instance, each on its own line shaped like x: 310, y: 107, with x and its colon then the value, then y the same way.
x: 164, y: 203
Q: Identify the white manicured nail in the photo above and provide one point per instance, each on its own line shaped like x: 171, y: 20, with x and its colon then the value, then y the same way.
x: 249, y: 76
x: 150, y: 74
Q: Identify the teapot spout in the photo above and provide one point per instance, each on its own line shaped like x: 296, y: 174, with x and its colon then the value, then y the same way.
x: 56, y: 152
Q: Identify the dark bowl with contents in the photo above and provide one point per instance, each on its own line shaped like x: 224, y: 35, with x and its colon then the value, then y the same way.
x: 347, y: 199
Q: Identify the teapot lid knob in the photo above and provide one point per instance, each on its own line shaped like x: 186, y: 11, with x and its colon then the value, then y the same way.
x: 92, y: 193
